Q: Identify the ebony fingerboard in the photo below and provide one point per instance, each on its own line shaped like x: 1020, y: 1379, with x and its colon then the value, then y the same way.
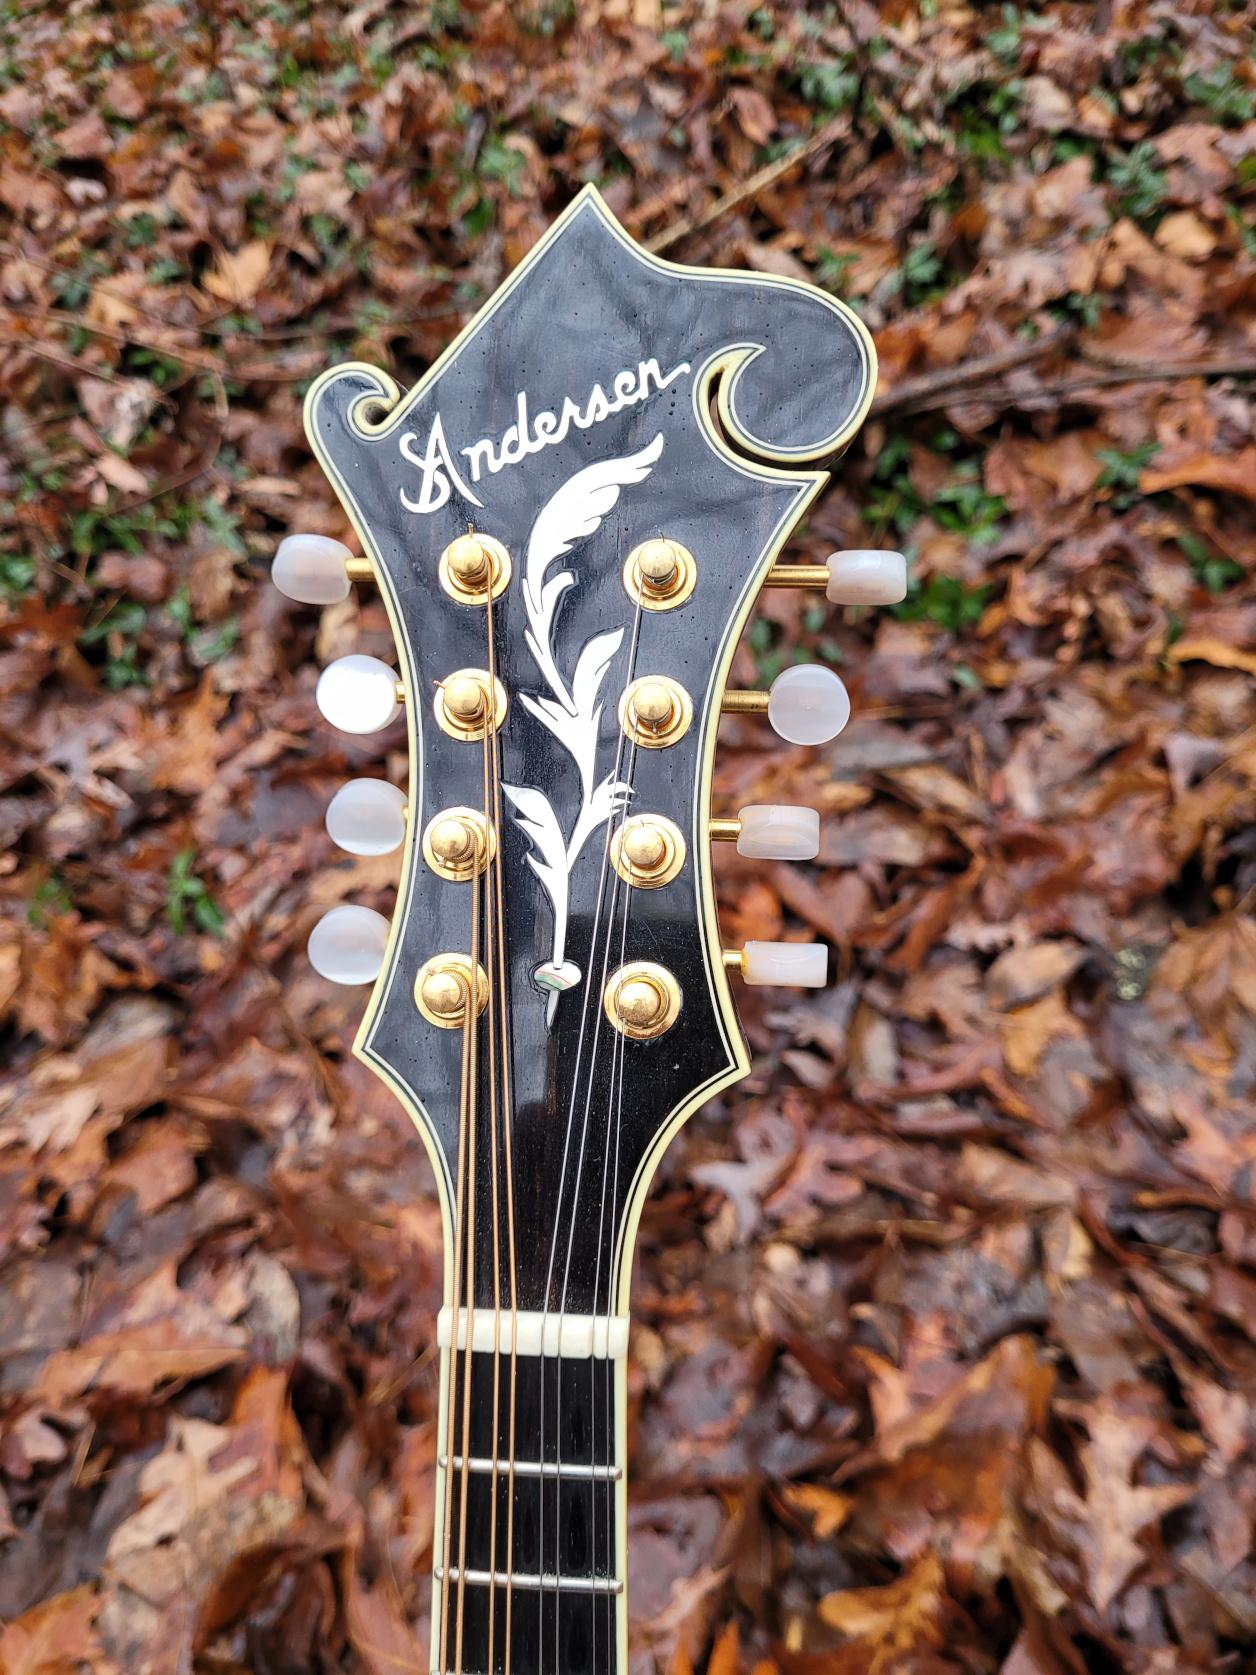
x: 563, y: 1559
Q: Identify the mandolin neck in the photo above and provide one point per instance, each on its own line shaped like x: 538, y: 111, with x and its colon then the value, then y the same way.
x: 529, y: 1547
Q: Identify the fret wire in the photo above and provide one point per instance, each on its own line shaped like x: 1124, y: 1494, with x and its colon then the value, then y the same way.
x: 533, y: 1468
x: 580, y: 1613
x: 547, y: 1579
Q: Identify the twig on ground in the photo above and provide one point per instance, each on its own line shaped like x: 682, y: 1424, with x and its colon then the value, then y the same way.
x: 748, y: 189
x: 953, y: 394
x: 934, y: 388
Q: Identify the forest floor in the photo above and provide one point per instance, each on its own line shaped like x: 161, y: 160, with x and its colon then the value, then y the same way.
x: 943, y: 1352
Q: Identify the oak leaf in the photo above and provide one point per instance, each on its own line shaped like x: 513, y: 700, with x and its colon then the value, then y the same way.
x: 898, y: 1621
x: 238, y: 275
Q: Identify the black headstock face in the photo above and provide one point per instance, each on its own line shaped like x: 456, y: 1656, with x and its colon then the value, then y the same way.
x: 603, y: 399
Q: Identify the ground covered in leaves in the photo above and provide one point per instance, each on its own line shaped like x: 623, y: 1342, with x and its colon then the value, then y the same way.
x: 943, y: 1357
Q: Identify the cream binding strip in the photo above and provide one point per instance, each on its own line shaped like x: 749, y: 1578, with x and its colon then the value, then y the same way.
x: 575, y: 1336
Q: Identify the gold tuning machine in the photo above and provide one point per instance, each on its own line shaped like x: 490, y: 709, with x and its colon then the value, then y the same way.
x: 642, y: 1000
x: 660, y: 574
x: 458, y: 843
x: 443, y: 987
x: 474, y: 568
x: 655, y: 711
x: 647, y: 850
x: 462, y: 704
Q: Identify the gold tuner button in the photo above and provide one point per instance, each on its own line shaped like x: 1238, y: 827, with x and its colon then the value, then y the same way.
x: 647, y: 851
x: 642, y: 1000
x: 458, y: 843
x: 472, y: 566
x: 655, y: 711
x: 660, y: 573
x: 443, y: 986
x: 462, y: 704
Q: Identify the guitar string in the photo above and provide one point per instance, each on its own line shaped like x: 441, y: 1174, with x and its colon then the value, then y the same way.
x: 507, y: 1158
x: 616, y: 887
x: 451, y: 1383
x: 615, y: 1095
x: 599, y: 991
x: 549, y: 1277
x: 471, y: 1032
x: 489, y: 929
x: 618, y: 1052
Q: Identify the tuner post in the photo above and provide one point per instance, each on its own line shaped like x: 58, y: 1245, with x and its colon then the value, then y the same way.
x: 655, y: 711
x: 642, y: 1000
x: 458, y: 843
x: 462, y: 704
x: 660, y: 574
x: 647, y: 851
x: 474, y: 568
x: 443, y: 988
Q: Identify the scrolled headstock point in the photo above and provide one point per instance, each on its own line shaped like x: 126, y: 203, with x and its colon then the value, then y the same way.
x: 462, y: 704
x: 474, y: 568
x: 655, y: 711
x: 660, y: 574
x: 443, y: 988
x: 642, y: 1000
x: 458, y: 843
x: 647, y: 851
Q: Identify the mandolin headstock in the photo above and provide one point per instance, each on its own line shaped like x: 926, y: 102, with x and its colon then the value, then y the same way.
x: 569, y: 519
